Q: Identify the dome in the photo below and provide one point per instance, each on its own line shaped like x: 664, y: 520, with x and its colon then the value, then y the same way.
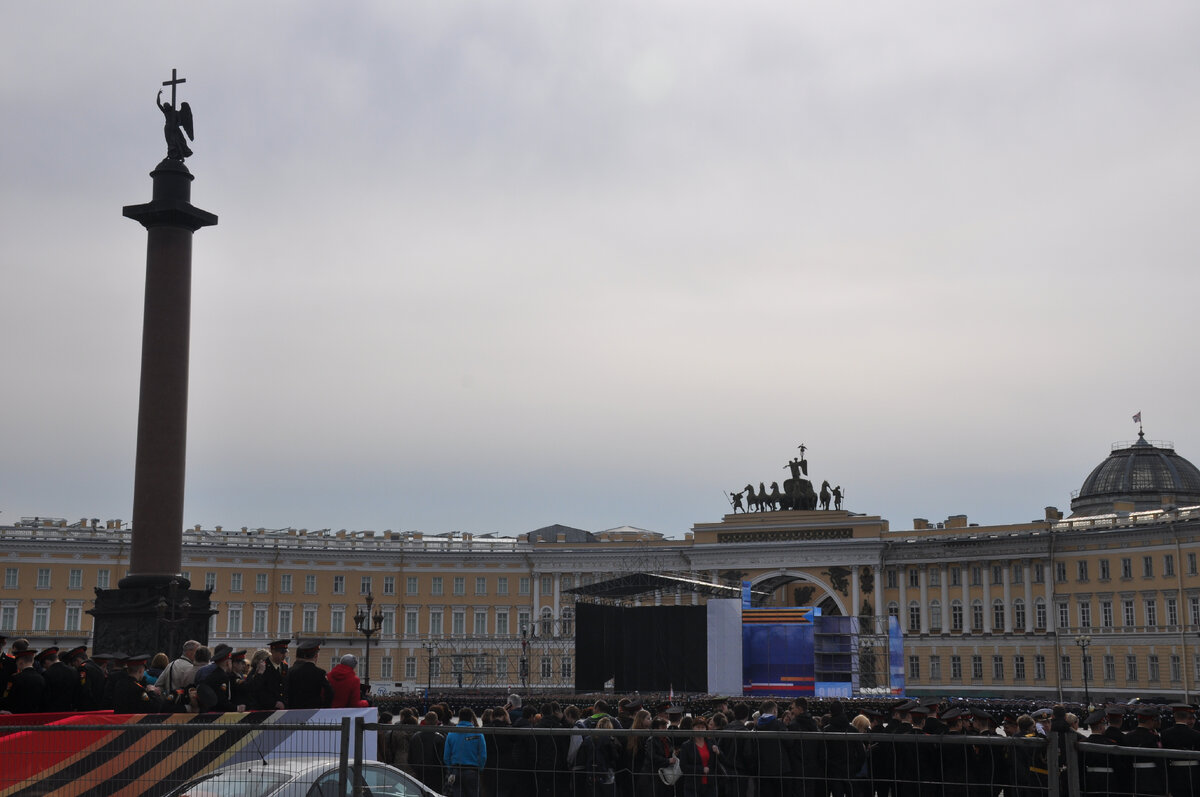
x: 1141, y: 473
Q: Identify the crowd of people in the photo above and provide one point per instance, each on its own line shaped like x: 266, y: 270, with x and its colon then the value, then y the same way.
x: 199, y: 680
x: 722, y: 752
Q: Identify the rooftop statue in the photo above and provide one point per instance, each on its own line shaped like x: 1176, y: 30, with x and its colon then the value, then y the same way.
x: 176, y: 118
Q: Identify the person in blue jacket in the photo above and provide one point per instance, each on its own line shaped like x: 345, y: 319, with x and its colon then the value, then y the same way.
x: 464, y: 754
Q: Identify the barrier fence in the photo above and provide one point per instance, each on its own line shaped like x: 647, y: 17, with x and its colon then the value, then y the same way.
x: 241, y: 756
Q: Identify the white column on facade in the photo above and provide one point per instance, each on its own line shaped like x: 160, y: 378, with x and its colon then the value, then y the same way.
x: 1008, y: 611
x: 987, y: 597
x: 923, y: 580
x: 945, y: 602
x: 964, y: 570
x: 535, y: 599
x: 880, y: 609
x: 557, y: 594
x: 1027, y: 573
x: 855, y: 599
x: 902, y: 580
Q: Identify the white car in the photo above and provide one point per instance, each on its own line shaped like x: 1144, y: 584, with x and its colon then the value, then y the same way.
x: 300, y: 776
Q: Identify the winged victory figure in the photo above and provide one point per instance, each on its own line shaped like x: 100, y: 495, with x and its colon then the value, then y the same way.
x: 177, y: 148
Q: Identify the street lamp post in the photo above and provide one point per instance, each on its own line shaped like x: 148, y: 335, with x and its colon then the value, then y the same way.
x: 430, y: 649
x: 524, y: 664
x: 1083, y: 642
x: 368, y: 625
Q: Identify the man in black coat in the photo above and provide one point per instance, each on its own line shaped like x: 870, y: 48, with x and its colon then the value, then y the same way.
x: 129, y: 694
x: 62, y: 682
x: 267, y: 689
x: 769, y: 758
x: 1103, y: 774
x: 26, y: 689
x: 1183, y: 777
x: 805, y: 755
x: 307, y: 685
x: 215, y: 689
x: 1149, y: 774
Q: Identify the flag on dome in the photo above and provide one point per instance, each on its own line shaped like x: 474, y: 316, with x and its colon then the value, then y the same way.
x: 1137, y: 417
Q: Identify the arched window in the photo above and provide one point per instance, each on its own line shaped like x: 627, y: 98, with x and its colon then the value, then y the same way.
x: 1019, y: 614
x: 894, y: 610
x: 566, y: 626
x: 956, y: 615
x: 1039, y: 614
x: 547, y: 622
x: 935, y: 616
x: 997, y: 615
x: 977, y: 615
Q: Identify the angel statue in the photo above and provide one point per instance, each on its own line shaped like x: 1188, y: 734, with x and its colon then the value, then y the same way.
x: 177, y: 148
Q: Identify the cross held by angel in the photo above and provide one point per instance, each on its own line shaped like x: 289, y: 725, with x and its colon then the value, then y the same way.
x: 178, y: 122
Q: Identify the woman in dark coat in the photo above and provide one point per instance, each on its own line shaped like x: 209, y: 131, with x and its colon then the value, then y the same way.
x: 700, y: 761
x: 659, y: 753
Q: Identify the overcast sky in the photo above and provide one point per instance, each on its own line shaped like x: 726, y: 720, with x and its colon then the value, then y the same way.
x: 493, y: 266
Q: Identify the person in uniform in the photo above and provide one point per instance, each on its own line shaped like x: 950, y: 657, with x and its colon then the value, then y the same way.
x: 241, y: 680
x: 306, y: 685
x: 129, y: 695
x: 62, y: 682
x: 1114, y: 715
x: 1149, y: 777
x: 26, y: 690
x: 1100, y: 770
x: 1183, y: 775
x: 267, y: 687
x: 214, y: 686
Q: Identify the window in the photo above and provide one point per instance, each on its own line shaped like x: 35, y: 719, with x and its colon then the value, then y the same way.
x: 935, y: 616
x: 523, y: 585
x: 75, y: 578
x: 43, y: 579
x: 502, y: 623
x: 1191, y: 564
x: 235, y: 582
x: 103, y: 576
x: 1106, y: 614
x: 1019, y: 614
x: 1131, y: 668
x: 410, y: 585
x: 480, y: 626
x: 73, y: 614
x: 310, y: 584
x: 1060, y: 571
x: 285, y: 622
x: 11, y: 578
x: 1147, y: 567
x: 997, y: 668
x: 480, y: 585
x: 1127, y: 612
x: 567, y: 622
x: 364, y: 585
x: 1064, y: 668
x: 388, y: 626
x: 891, y: 578
x: 956, y: 615
x: 935, y: 577
x: 1153, y: 662
x: 1081, y: 568
x: 1104, y: 574
x: 435, y: 587
x: 460, y: 585
x: 502, y: 585
x: 8, y: 618
x: 1018, y: 574
x: 285, y: 583
x: 1169, y: 565
x: 935, y: 668
x: 1039, y: 667
x: 235, y: 620
x: 914, y: 617
x: 410, y: 622
x: 997, y: 574
x: 410, y: 667
x: 337, y: 621
x: 339, y: 585
x: 1039, y: 573
x: 385, y: 668
x: 435, y: 622
x: 547, y: 622
x: 260, y: 621
x: 547, y: 585
x: 435, y: 668
x: 389, y: 585
x: 956, y: 668
x: 1110, y: 668
x: 914, y: 577
x: 1126, y: 568
x: 1176, y: 669
x: 998, y: 615
x: 914, y: 667
x: 1018, y: 668
x: 1151, y: 612
x: 41, y: 618
x: 977, y: 668
x: 976, y: 576
x: 1064, y: 615
x: 893, y: 610
x: 977, y: 616
x: 1172, y: 611
x: 955, y: 577
x: 545, y: 668
x: 1194, y: 609
x: 1085, y: 614
x: 523, y: 621
x: 310, y: 620
x: 1039, y: 614
x: 458, y: 622
x: 566, y: 667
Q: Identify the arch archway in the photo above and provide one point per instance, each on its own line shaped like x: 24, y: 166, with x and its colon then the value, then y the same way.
x: 828, y: 600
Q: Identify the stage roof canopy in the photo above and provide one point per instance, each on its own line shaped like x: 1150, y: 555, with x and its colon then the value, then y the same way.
x: 636, y: 584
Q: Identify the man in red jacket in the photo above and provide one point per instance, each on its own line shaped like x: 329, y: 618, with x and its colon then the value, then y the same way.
x: 345, y: 683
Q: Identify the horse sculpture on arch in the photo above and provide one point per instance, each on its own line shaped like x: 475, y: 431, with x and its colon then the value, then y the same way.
x: 825, y: 495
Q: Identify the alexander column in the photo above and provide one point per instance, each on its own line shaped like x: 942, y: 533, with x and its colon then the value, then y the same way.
x: 153, y: 607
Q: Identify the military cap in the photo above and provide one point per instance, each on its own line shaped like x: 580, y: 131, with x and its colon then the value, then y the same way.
x: 280, y: 644
x: 1115, y: 710
x: 906, y: 705
x: 634, y: 707
x: 220, y: 653
x: 979, y: 713
x: 26, y: 653
x: 1183, y: 708
x: 672, y: 710
x: 78, y: 650
x: 309, y: 646
x: 953, y: 714
x: 238, y: 655
x: 137, y: 658
x: 1042, y: 714
x: 1096, y: 717
x: 105, y: 656
x: 1009, y: 718
x: 1148, y: 711
x: 919, y: 709
x: 44, y: 652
